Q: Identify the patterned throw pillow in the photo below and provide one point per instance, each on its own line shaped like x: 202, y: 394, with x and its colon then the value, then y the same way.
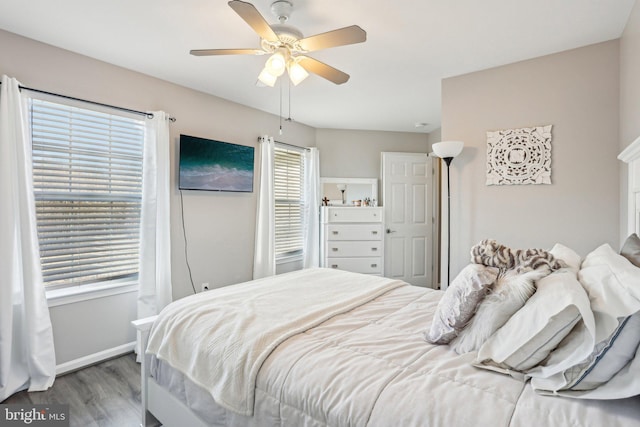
x: 459, y: 302
x: 491, y: 253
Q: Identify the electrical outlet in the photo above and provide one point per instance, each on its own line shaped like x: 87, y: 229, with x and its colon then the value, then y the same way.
x: 204, y: 286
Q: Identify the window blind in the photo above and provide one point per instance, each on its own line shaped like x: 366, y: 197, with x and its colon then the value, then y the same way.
x: 288, y: 192
x: 87, y: 173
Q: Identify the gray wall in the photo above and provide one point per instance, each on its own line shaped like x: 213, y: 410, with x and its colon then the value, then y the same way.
x: 577, y: 92
x: 629, y: 99
x: 435, y: 136
x: 356, y: 153
x: 93, y: 326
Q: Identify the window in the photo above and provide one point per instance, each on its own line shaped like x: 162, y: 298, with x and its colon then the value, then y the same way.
x: 87, y: 173
x: 288, y: 179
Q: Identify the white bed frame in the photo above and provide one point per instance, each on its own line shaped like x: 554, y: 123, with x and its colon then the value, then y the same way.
x: 631, y: 156
x: 160, y: 406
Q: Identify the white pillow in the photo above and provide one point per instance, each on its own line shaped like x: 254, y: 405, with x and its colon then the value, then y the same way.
x: 459, y: 302
x: 613, y: 286
x: 508, y: 295
x: 537, y: 328
x: 568, y: 255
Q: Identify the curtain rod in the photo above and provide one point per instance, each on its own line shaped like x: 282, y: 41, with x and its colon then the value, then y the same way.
x: 142, y: 113
x: 289, y: 145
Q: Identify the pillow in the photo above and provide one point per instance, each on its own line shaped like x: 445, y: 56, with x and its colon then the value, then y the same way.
x: 609, y: 356
x: 459, y: 302
x: 631, y: 249
x: 508, y: 295
x: 537, y: 328
x: 568, y: 255
x: 613, y: 286
x: 493, y: 254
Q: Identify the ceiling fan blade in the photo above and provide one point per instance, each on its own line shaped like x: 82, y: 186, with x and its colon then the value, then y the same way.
x: 251, y: 16
x: 340, y: 37
x: 323, y: 70
x: 209, y: 52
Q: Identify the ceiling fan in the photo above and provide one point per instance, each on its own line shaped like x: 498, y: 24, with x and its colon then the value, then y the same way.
x: 287, y: 46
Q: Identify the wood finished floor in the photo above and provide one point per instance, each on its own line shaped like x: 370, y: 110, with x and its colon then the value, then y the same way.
x: 103, y: 395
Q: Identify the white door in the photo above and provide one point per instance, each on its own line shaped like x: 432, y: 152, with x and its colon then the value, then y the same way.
x: 408, y: 216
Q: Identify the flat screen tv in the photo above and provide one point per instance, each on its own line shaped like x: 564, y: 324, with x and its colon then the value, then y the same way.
x: 207, y: 164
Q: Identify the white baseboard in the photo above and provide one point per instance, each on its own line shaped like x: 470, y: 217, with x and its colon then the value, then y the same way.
x: 94, y: 358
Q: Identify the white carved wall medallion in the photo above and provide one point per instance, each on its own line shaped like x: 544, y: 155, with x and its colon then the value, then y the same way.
x: 519, y: 156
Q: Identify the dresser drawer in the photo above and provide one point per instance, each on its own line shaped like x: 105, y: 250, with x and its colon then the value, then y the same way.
x: 372, y: 265
x: 353, y: 249
x: 353, y: 232
x: 354, y: 215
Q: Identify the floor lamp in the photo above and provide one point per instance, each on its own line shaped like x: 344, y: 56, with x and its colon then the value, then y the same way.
x: 447, y: 150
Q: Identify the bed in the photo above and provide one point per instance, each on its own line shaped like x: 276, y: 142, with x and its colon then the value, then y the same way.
x: 320, y: 347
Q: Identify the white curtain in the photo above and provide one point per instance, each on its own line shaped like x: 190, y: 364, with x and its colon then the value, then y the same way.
x: 311, y: 217
x: 264, y: 261
x: 155, y: 242
x: 27, y: 357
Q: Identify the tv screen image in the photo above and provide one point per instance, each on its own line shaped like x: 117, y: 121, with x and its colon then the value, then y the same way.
x: 207, y: 164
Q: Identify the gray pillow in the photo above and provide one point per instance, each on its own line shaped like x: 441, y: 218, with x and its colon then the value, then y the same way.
x: 508, y: 295
x: 631, y: 249
x: 459, y: 302
x: 608, y: 357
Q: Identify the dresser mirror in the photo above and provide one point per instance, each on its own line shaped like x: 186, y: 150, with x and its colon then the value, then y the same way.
x: 355, y: 190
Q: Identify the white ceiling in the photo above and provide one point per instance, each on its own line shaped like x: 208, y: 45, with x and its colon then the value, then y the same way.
x: 395, y: 75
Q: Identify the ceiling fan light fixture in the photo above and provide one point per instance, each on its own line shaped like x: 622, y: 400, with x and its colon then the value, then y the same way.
x: 283, y: 42
x: 297, y: 73
x: 267, y: 78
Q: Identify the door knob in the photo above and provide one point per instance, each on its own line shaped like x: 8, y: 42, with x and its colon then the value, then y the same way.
x: 389, y: 231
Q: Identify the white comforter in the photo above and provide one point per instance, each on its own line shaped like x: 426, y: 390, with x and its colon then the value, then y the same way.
x: 371, y: 367
x: 220, y: 339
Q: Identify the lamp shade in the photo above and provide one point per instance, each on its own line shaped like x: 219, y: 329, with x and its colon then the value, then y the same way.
x: 276, y: 64
x: 447, y: 149
x: 267, y: 78
x: 296, y: 72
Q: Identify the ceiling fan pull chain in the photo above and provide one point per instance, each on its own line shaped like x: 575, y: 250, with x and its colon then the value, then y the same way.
x: 280, y: 106
x: 289, y: 118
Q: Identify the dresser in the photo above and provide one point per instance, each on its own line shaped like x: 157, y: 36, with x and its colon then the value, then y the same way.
x: 352, y: 239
